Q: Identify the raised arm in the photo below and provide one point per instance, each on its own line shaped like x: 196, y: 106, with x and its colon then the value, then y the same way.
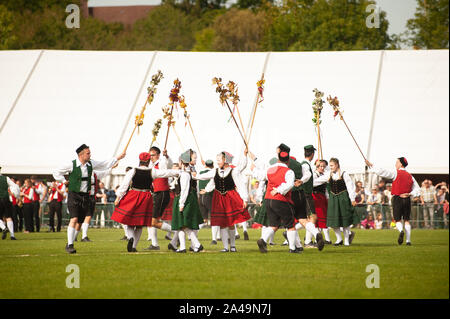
x: 350, y: 186
x: 164, y: 173
x: 103, y: 165
x: 59, y: 173
x: 13, y: 187
x: 206, y: 175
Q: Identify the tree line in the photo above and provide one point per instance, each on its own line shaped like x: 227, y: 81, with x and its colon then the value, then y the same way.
x: 212, y: 25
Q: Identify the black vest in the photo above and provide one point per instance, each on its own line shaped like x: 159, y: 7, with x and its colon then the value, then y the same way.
x: 338, y: 186
x: 192, y: 186
x: 225, y: 184
x: 142, y: 179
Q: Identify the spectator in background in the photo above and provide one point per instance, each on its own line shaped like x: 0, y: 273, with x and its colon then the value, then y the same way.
x: 416, y: 215
x: 387, y: 203
x: 379, y: 222
x: 360, y: 200
x: 428, y: 200
x: 440, y: 208
x: 19, y: 207
x: 374, y: 201
x: 368, y: 223
x: 381, y: 186
x: 27, y: 193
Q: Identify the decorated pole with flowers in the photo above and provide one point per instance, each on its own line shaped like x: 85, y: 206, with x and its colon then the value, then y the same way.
x: 334, y: 102
x: 173, y: 99
x: 225, y: 94
x: 259, y: 99
x: 317, y: 108
x: 187, y: 117
x: 156, y: 78
x: 155, y: 131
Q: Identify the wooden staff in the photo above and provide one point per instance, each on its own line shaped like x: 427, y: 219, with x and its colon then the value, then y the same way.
x: 168, y: 126
x: 235, y: 122
x: 254, y: 112
x: 242, y: 124
x: 342, y: 118
x: 178, y: 137
x: 136, y: 125
x: 319, y: 146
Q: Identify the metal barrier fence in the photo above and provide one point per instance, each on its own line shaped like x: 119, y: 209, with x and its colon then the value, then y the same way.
x: 422, y: 216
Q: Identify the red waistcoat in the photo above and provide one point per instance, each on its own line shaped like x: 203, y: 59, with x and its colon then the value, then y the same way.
x: 25, y: 198
x: 403, y: 183
x: 160, y: 184
x: 276, y: 177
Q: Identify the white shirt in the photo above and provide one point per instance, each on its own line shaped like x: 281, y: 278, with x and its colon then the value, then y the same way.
x: 306, y: 173
x: 164, y: 163
x: 59, y: 173
x: 236, y: 175
x: 100, y: 175
x: 185, y: 181
x: 415, y: 192
x: 335, y: 176
x: 13, y: 187
x: 57, y: 195
x: 156, y: 173
x: 284, y: 188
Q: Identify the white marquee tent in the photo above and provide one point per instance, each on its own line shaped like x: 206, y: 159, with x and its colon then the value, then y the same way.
x: 395, y: 102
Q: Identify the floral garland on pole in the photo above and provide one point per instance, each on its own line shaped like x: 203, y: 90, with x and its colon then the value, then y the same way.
x: 259, y: 99
x: 174, y: 98
x: 317, y: 108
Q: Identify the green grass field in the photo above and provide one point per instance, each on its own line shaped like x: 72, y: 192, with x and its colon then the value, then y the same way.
x: 34, y: 266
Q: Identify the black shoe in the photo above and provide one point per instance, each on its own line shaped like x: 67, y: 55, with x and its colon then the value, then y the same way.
x: 14, y: 238
x: 213, y: 242
x: 191, y: 249
x: 233, y: 249
x: 151, y: 247
x: 246, y: 236
x: 319, y: 241
x: 350, y: 238
x: 199, y: 249
x: 272, y: 244
x: 400, y: 237
x: 299, y: 249
x: 70, y: 249
x: 124, y: 238
x: 285, y: 235
x: 76, y: 239
x: 181, y: 251
x: 86, y: 239
x: 133, y: 250
x: 224, y: 250
x: 130, y: 245
x: 237, y: 236
x: 285, y: 243
x: 339, y: 243
x: 295, y: 251
x: 5, y: 231
x: 407, y: 244
x: 171, y: 247
x: 262, y: 245
x: 168, y: 237
x: 328, y: 242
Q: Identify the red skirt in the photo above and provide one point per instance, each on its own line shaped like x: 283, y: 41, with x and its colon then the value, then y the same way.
x: 167, y: 214
x: 321, y: 204
x: 134, y: 209
x: 227, y: 210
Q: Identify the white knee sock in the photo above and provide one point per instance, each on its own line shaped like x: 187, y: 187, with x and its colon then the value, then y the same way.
x: 271, y: 238
x: 137, y: 236
x: 194, y: 240
x: 244, y: 226
x: 326, y: 233
x: 232, y: 238
x: 407, y: 231
x: 338, y: 233
x: 174, y: 240
x: 182, y: 236
x: 312, y: 229
x: 298, y: 226
x: 166, y: 227
x: 298, y: 242
x: 2, y: 225
x: 130, y: 232
x: 224, y: 234
x: 291, y: 239
x: 125, y: 229
x: 75, y: 234
x: 149, y: 233
x: 268, y: 232
x: 235, y: 230
x: 308, y: 237
x: 84, y: 229
x: 214, y: 232
x: 346, y: 236
x: 70, y: 233
x: 10, y: 224
x: 154, y: 237
x: 399, y: 226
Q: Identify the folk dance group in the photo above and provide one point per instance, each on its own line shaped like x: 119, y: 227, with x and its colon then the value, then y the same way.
x: 296, y: 194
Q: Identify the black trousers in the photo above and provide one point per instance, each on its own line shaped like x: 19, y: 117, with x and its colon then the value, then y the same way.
x: 401, y: 208
x: 37, y: 220
x: 279, y: 213
x: 205, y: 202
x: 160, y: 202
x: 55, y: 207
x: 18, y: 218
x: 28, y: 216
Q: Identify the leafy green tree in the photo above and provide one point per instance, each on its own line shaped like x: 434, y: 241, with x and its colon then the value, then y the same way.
x: 251, y: 4
x: 325, y: 25
x: 204, y: 40
x: 7, y: 36
x: 429, y: 27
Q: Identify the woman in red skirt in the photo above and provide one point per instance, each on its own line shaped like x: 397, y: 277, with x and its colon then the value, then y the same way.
x: 228, y: 208
x: 134, y: 203
x: 321, y: 201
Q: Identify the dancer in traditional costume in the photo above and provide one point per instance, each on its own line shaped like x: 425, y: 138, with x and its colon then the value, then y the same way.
x: 321, y: 201
x: 340, y: 211
x: 186, y: 216
x: 6, y: 209
x: 404, y: 186
x: 205, y: 201
x: 228, y: 208
x: 134, y: 202
x: 55, y: 199
x: 80, y: 173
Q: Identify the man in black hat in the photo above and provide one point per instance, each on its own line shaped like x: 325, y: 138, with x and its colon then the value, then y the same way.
x: 404, y: 185
x: 80, y: 173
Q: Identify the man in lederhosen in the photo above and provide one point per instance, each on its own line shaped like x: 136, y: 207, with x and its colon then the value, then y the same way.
x: 80, y: 173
